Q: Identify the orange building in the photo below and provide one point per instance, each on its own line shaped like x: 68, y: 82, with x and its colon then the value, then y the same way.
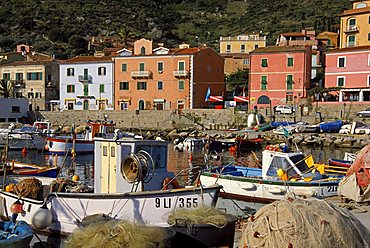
x: 160, y: 78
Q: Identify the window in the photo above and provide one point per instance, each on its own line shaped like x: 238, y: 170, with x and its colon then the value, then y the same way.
x: 290, y: 62
x: 70, y: 88
x: 19, y: 76
x: 255, y: 46
x: 351, y: 41
x: 86, y: 89
x: 181, y: 85
x: 34, y: 76
x: 160, y: 85
x: 368, y: 60
x: 264, y: 62
x: 16, y: 109
x: 368, y: 36
x: 263, y: 82
x: 141, y: 85
x: 31, y: 95
x: 181, y: 65
x: 368, y: 80
x: 341, y: 62
x: 142, y: 50
x: 105, y: 151
x: 245, y: 61
x: 242, y: 48
x: 160, y: 66
x: 123, y: 86
x: 340, y: 81
x: 351, y: 23
x: 113, y: 151
x: 6, y: 76
x: 228, y: 48
x: 38, y: 95
x: 102, y: 71
x: 141, y: 67
x: 289, y: 98
x: 101, y: 88
x: 70, y: 72
x: 289, y: 82
x: 124, y: 67
x: 141, y: 105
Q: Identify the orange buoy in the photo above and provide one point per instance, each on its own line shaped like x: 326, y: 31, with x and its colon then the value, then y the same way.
x: 24, y: 151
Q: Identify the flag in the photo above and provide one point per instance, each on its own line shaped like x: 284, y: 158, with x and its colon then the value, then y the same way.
x: 244, y: 90
x: 208, y: 94
x: 309, y: 161
x: 286, y: 133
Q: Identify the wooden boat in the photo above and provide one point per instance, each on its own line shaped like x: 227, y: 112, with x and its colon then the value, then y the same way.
x: 297, y: 177
x: 25, y: 169
x: 15, y: 235
x: 340, y: 162
x: 82, y: 144
x: 305, y: 128
x: 130, y: 176
x: 238, y: 143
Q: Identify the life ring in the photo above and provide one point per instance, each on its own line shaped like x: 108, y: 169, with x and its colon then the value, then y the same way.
x: 170, y: 181
x: 272, y: 148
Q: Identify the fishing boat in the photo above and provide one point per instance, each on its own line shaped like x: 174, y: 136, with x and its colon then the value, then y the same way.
x: 15, y: 235
x: 28, y: 136
x: 189, y: 143
x: 131, y: 182
x: 26, y: 169
x: 283, y: 175
x: 238, y: 143
x: 81, y: 144
x: 340, y: 162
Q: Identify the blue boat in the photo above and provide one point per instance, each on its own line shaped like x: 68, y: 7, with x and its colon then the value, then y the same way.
x: 15, y: 235
x: 331, y: 127
x: 276, y: 124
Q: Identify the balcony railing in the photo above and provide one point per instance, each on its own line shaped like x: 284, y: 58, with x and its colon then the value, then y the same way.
x: 243, y: 38
x: 141, y: 74
x: 349, y: 29
x: 182, y: 73
x: 85, y: 78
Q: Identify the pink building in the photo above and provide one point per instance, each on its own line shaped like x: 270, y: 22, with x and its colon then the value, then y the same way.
x: 349, y: 69
x: 279, y: 74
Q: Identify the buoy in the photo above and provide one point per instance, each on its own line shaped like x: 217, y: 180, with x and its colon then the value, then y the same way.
x: 75, y: 178
x: 16, y: 207
x: 42, y: 218
x: 24, y: 151
x: 280, y: 172
x: 9, y: 187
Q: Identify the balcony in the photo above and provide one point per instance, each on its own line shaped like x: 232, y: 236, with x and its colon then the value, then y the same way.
x: 19, y: 84
x: 141, y: 74
x: 85, y: 78
x: 182, y: 73
x: 351, y: 29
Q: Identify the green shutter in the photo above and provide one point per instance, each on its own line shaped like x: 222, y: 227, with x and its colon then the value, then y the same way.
x: 290, y: 61
x: 101, y: 88
x: 181, y: 66
x: 264, y: 63
x: 124, y: 67
x: 86, y: 89
x: 289, y: 82
x: 142, y: 67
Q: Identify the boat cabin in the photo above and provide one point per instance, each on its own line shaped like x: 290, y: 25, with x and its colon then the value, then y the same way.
x: 292, y: 163
x: 99, y: 129
x: 129, y: 164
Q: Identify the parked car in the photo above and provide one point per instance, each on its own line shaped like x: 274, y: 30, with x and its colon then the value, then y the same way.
x: 364, y: 113
x: 284, y: 109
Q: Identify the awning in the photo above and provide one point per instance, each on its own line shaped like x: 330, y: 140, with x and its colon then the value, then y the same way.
x: 216, y: 99
x: 69, y: 100
x: 127, y: 99
x: 241, y: 98
x: 101, y: 99
x: 159, y: 100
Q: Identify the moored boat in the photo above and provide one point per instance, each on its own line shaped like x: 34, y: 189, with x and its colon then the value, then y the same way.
x: 282, y: 175
x: 26, y: 169
x: 15, y: 235
x: 130, y: 177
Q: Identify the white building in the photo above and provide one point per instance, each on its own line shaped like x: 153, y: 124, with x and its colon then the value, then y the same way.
x: 13, y: 110
x: 86, y: 83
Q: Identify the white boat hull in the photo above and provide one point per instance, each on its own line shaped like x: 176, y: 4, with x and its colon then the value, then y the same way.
x: 151, y: 207
x: 264, y: 191
x: 62, y: 146
x: 30, y: 142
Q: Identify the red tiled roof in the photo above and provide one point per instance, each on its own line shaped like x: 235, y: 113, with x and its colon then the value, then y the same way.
x: 235, y: 55
x: 17, y: 63
x: 294, y: 34
x: 86, y: 59
x: 349, y: 49
x: 277, y: 49
x: 355, y: 11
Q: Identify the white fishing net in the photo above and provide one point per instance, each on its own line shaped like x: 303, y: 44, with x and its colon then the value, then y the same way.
x: 304, y: 223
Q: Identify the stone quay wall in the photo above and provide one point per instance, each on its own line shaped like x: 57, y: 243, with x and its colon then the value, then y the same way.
x: 216, y: 119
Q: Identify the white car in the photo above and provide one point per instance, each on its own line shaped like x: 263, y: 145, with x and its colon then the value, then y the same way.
x: 284, y: 109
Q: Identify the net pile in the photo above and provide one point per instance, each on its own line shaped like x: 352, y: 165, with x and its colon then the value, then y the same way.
x: 116, y: 234
x: 304, y: 223
x: 30, y: 188
x: 201, y: 215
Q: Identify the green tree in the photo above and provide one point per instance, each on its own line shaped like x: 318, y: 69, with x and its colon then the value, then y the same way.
x: 237, y: 81
x: 6, y: 88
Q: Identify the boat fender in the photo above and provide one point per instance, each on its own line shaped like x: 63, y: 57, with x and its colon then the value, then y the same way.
x: 42, y: 218
x: 168, y: 181
x: 249, y: 186
x: 276, y: 191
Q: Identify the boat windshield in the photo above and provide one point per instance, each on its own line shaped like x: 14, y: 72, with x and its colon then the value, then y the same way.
x: 283, y: 163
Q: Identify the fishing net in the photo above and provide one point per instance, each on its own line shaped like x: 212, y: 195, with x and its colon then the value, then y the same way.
x: 304, y: 223
x: 30, y: 188
x: 116, y: 234
x: 201, y: 215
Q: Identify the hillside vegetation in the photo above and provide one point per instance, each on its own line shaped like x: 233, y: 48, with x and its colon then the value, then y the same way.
x: 60, y: 27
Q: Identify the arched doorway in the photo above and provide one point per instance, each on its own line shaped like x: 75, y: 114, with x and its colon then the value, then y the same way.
x: 263, y: 100
x: 141, y: 105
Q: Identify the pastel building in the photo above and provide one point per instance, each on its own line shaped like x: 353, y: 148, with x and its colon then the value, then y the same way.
x: 349, y: 70
x: 153, y: 77
x: 355, y: 25
x: 280, y: 75
x: 235, y: 50
x: 86, y: 83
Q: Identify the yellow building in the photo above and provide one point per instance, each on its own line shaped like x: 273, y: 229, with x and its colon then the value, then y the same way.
x: 355, y: 25
x: 235, y: 50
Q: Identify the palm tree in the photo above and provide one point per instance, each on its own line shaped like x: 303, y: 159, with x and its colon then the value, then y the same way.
x: 6, y: 88
x: 125, y: 33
